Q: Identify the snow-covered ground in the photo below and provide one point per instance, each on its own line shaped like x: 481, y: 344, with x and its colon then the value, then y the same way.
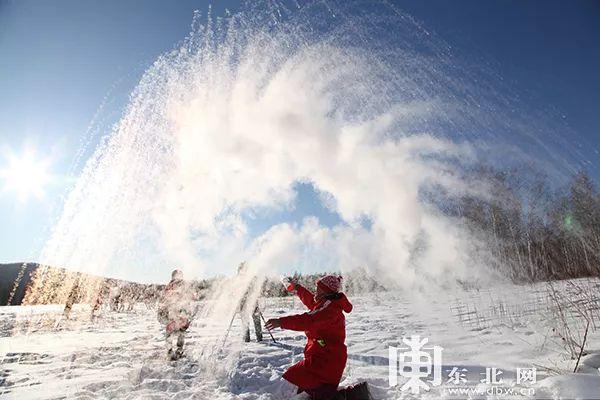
x: 122, y: 355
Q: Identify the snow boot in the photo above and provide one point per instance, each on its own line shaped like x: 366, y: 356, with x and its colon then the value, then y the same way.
x: 360, y: 391
x: 324, y: 392
x: 175, y: 355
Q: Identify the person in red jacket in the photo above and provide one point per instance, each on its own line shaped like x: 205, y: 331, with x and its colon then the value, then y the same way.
x: 325, y: 355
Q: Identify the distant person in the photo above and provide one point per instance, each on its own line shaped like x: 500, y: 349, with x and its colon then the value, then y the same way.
x: 325, y: 355
x: 115, y: 298
x: 176, y: 310
x: 71, y: 300
x: 129, y: 298
x: 250, y: 310
x: 101, y: 297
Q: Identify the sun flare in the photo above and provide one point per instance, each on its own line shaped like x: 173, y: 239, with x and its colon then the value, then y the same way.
x: 25, y: 175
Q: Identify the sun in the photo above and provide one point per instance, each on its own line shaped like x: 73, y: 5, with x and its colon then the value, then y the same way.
x: 25, y: 175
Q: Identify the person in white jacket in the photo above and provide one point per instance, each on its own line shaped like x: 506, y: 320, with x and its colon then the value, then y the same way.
x: 176, y: 310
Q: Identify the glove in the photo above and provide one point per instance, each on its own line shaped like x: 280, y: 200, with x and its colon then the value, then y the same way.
x: 289, y: 285
x: 180, y: 323
x: 171, y: 326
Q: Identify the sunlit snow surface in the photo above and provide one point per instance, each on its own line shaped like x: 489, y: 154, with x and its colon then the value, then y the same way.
x: 122, y: 354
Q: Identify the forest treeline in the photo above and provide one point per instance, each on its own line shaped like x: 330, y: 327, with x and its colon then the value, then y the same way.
x: 535, y: 232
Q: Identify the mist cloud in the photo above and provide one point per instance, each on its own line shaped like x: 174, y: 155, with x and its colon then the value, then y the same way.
x: 212, y: 134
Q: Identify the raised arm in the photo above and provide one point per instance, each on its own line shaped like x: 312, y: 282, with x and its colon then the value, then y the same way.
x: 306, y: 296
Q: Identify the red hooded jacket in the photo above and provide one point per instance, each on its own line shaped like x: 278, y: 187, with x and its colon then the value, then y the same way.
x: 325, y: 352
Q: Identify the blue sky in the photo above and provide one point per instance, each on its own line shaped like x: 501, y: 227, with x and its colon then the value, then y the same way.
x: 69, y: 65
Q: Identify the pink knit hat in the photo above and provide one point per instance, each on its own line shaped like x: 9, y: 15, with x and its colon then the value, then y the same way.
x: 331, y: 283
